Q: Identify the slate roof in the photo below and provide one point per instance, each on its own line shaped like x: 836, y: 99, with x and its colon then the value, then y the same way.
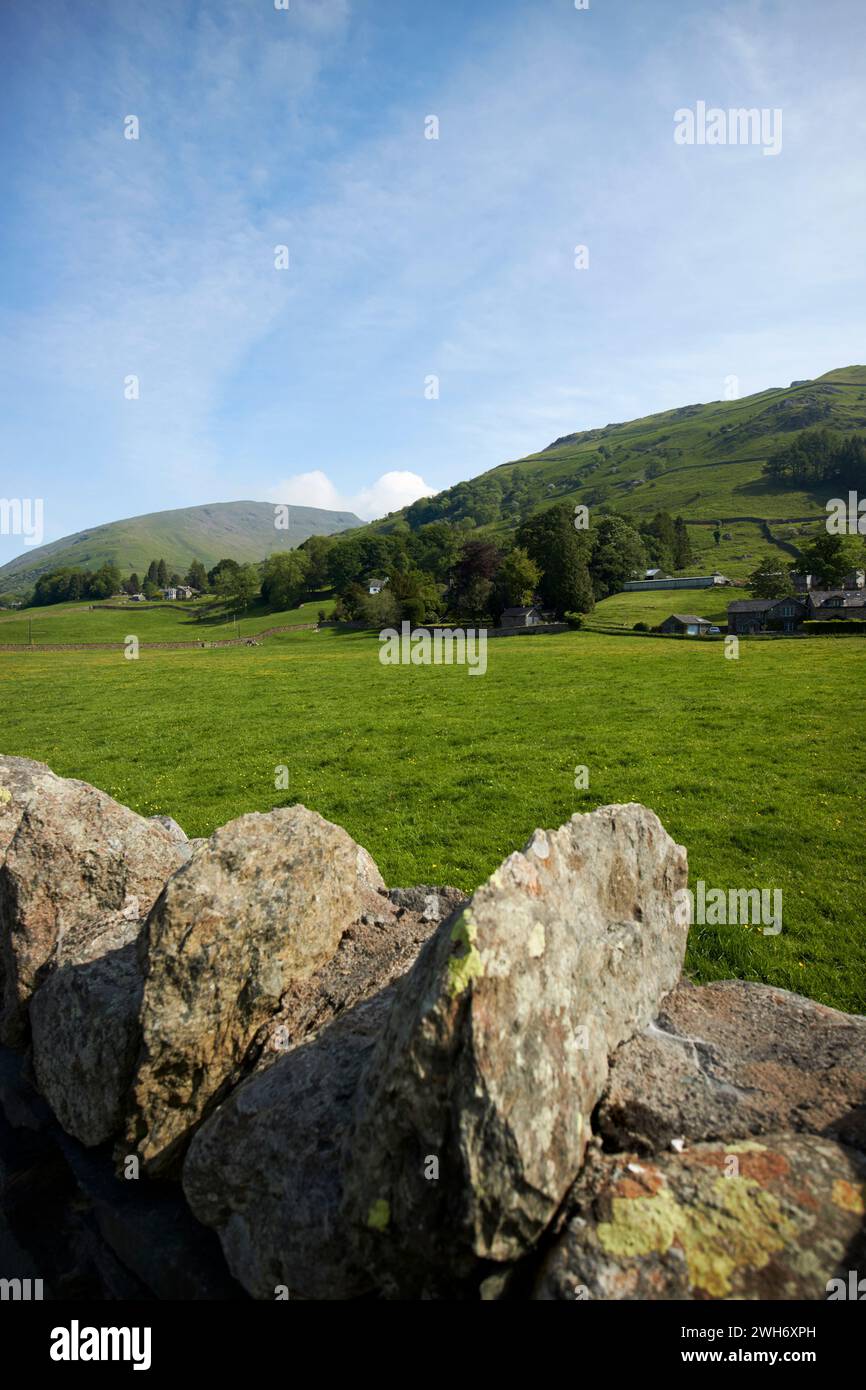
x: 850, y: 598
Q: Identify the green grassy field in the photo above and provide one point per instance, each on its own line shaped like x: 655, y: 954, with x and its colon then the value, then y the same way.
x: 738, y: 557
x: 756, y: 765
x: 149, y: 622
x: 654, y: 605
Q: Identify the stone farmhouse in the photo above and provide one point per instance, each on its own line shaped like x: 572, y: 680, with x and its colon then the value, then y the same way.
x: 762, y: 614
x: 788, y: 614
x: 836, y: 603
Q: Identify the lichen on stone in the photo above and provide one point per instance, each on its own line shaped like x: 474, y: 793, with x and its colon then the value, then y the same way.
x: 379, y: 1215
x: 462, y: 970
x: 737, y: 1225
x: 850, y: 1196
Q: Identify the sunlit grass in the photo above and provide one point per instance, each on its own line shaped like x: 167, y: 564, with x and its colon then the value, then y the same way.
x: 756, y: 765
x: 209, y: 621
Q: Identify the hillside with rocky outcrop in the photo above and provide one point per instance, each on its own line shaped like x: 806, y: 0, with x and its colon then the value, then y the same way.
x: 243, y: 1066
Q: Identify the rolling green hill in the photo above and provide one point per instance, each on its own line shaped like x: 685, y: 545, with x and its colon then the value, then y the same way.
x: 242, y: 531
x: 703, y: 462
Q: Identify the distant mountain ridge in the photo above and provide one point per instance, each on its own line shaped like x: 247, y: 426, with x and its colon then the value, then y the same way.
x: 242, y: 531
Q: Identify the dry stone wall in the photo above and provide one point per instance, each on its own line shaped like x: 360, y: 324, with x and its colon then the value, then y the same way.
x: 244, y: 1067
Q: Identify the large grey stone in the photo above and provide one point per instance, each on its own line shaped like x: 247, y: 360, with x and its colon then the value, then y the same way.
x: 733, y: 1059
x: 266, y: 1169
x: 73, y: 856
x: 262, y: 905
x: 776, y: 1218
x: 86, y: 1037
x: 496, y: 1049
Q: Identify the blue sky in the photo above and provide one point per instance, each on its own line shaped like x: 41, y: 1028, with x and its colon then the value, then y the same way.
x: 409, y: 257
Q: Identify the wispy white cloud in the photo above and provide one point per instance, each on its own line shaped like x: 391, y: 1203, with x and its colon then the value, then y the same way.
x: 411, y: 257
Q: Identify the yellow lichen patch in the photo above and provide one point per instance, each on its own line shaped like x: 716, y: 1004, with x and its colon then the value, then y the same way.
x: 738, y: 1225
x: 462, y: 970
x: 641, y: 1225
x: 850, y: 1196
x: 379, y: 1215
x: 5, y: 795
x: 743, y: 1228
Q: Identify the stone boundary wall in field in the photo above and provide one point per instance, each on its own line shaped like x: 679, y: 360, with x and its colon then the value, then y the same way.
x: 156, y: 646
x: 244, y: 1067
x: 147, y: 607
x: 539, y: 630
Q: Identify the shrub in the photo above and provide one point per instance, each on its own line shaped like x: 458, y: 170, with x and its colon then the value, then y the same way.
x: 574, y: 619
x: 818, y: 625
x: 641, y: 627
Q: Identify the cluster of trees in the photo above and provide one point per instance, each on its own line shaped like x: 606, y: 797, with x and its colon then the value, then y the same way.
x: 482, y: 501
x: 67, y: 585
x: 282, y: 579
x: 828, y: 558
x: 818, y: 457
x: 438, y: 571
x: 158, y: 577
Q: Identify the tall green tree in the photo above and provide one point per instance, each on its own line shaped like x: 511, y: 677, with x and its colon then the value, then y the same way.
x: 416, y: 594
x: 239, y: 585
x: 317, y: 550
x: 436, y: 548
x: 517, y: 578
x: 479, y: 560
x: 683, y: 554
x: 618, y: 553
x: 660, y: 540
x: 196, y: 576
x: 214, y: 575
x: 104, y: 583
x: 575, y: 589
x: 346, y: 563
x: 284, y: 578
x: 828, y: 557
x: 162, y: 574
x: 562, y: 554
x: 771, y: 579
